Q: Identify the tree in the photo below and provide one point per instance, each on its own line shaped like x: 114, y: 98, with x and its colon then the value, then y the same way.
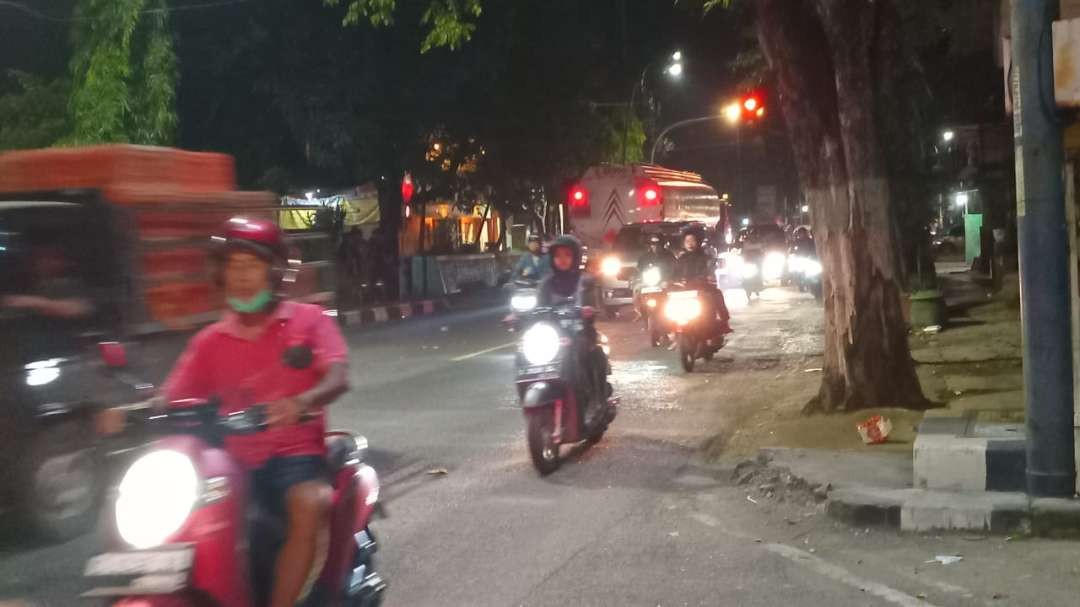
x: 123, y: 73
x: 828, y: 57
x: 36, y: 115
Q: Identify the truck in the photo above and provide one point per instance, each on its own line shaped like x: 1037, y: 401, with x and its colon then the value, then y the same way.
x: 127, y: 230
x: 612, y: 209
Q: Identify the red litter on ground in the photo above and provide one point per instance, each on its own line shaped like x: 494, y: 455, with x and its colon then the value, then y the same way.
x: 875, y: 430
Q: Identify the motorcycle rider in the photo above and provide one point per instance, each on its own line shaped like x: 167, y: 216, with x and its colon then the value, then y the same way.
x: 657, y: 256
x: 694, y: 266
x: 287, y: 463
x: 533, y: 265
x: 567, y: 282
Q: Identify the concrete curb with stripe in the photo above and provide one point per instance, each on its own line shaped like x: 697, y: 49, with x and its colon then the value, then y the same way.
x: 395, y: 311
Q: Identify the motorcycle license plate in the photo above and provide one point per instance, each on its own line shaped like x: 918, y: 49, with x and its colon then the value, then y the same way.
x: 650, y: 290
x: 141, y: 572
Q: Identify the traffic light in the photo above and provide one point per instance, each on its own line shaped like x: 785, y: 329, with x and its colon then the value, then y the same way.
x: 747, y: 109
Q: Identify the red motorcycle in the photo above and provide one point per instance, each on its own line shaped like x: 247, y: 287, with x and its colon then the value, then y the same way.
x: 183, y: 530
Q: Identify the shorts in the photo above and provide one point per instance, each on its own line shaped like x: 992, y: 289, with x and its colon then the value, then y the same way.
x: 272, y: 481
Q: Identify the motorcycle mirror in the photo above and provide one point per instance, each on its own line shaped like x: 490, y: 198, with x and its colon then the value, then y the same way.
x: 298, y: 357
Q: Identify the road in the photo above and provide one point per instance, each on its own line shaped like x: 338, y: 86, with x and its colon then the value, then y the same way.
x: 639, y: 519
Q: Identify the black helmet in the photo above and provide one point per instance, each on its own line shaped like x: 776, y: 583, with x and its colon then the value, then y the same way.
x: 569, y: 242
x: 655, y: 239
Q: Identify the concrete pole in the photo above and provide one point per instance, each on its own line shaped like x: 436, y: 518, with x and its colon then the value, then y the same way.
x: 1044, y: 253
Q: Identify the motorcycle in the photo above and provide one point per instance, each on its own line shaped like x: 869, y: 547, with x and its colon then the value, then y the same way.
x: 806, y: 274
x: 182, y: 528
x: 651, y: 298
x: 696, y: 330
x: 523, y: 299
x: 562, y: 383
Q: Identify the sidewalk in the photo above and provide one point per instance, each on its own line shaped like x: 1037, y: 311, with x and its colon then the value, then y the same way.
x: 964, y: 467
x: 404, y: 310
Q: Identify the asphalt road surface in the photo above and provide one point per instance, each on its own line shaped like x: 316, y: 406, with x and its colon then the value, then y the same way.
x: 638, y: 519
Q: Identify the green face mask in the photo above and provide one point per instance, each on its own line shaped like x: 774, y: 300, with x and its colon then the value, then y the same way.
x: 250, y: 306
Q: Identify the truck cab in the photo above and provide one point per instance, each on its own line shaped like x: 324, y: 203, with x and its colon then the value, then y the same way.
x: 611, y: 206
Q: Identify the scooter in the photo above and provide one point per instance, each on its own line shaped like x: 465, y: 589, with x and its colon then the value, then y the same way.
x: 562, y: 383
x: 523, y: 298
x: 182, y: 529
x: 806, y: 274
x: 696, y: 330
x: 651, y: 298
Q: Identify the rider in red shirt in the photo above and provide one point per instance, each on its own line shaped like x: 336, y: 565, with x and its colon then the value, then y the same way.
x: 241, y: 361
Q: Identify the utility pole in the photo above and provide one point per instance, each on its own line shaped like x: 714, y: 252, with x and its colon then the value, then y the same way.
x: 1044, y: 254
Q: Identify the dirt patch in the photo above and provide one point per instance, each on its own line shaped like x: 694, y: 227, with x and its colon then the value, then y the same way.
x: 763, y: 482
x: 770, y: 415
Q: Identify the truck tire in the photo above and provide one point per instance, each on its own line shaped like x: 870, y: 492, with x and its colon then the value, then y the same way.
x: 61, y: 480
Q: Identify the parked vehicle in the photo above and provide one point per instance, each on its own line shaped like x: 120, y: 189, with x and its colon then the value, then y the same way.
x: 562, y: 371
x: 693, y: 318
x: 124, y: 231
x: 182, y: 528
x: 613, y: 210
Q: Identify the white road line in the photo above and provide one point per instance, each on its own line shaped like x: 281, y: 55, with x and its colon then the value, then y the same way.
x: 840, y: 574
x: 823, y: 567
x: 483, y: 352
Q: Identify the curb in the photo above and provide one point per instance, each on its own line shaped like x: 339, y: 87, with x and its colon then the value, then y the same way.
x: 961, y: 454
x: 389, y: 312
x: 925, y: 511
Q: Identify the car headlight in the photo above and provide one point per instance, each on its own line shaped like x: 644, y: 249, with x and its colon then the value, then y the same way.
x: 773, y: 267
x: 523, y: 303
x: 811, y: 268
x: 610, y: 266
x: 651, y: 277
x: 540, y: 344
x: 155, y: 497
x: 682, y: 310
x: 748, y: 270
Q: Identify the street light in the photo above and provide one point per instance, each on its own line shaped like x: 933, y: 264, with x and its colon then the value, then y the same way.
x: 948, y: 136
x: 673, y: 69
x: 805, y: 208
x: 962, y: 199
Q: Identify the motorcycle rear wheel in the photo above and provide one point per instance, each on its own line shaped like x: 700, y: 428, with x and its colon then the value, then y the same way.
x: 543, y: 450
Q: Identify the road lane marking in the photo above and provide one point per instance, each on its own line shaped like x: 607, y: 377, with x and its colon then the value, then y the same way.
x: 838, y: 573
x: 822, y: 567
x: 483, y: 352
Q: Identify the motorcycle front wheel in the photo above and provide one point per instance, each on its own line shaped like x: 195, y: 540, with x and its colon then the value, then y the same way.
x: 655, y: 334
x: 687, y: 352
x: 543, y: 450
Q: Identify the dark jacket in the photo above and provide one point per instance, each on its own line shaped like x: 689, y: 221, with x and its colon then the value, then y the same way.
x: 559, y: 285
x: 693, y: 265
x: 662, y: 259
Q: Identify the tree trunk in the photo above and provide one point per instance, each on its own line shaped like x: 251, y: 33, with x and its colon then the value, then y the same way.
x: 822, y: 53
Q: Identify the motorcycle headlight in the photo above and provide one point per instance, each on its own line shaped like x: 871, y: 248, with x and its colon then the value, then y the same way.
x: 540, y: 344
x: 682, y: 310
x: 748, y: 270
x: 811, y: 268
x: 523, y: 303
x: 610, y: 266
x: 773, y: 267
x: 651, y: 277
x: 155, y: 497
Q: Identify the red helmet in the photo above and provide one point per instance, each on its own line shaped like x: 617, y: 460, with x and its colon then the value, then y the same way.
x: 258, y: 236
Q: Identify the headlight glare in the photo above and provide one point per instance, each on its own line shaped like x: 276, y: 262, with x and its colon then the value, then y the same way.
x: 155, y: 497
x: 773, y: 267
x: 682, y: 310
x: 523, y: 302
x: 610, y: 266
x: 651, y: 277
x: 540, y: 344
